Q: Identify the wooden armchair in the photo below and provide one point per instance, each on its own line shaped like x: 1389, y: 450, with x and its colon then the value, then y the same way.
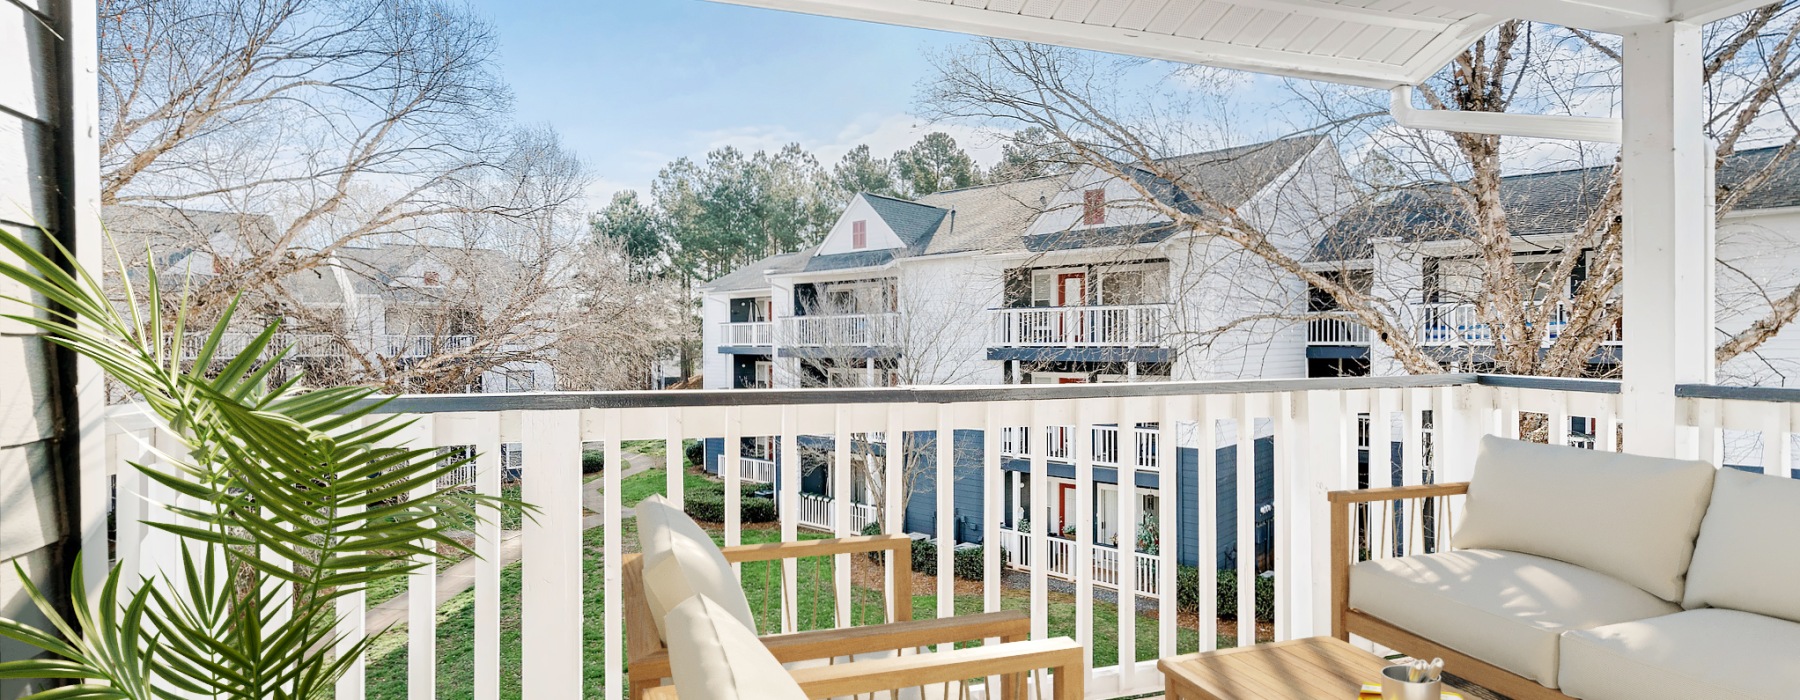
x: 648, y: 659
x: 1362, y: 525
x: 1061, y: 656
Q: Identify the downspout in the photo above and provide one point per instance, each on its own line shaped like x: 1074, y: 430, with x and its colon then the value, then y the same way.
x: 1540, y: 126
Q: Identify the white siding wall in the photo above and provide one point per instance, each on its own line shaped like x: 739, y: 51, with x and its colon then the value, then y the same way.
x: 714, y: 310
x: 840, y: 240
x: 1065, y: 210
x: 1215, y: 285
x: 1759, y: 258
x: 946, y: 302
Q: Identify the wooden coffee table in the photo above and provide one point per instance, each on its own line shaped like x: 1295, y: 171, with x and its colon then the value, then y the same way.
x: 1317, y: 668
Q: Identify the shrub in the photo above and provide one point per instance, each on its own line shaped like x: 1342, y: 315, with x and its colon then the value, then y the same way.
x: 593, y: 461
x: 872, y: 529
x: 694, y: 451
x: 709, y: 506
x: 924, y: 556
x: 1187, y: 593
x: 969, y: 564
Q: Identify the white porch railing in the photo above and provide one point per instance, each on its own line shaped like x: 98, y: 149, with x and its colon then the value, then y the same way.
x: 757, y: 470
x: 304, y: 345
x: 820, y: 513
x: 1339, y: 328
x: 747, y: 334
x: 1313, y: 425
x: 843, y: 330
x: 1080, y: 326
x: 425, y: 345
x: 1460, y: 325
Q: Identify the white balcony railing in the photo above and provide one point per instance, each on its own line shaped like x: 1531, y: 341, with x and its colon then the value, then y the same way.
x: 1434, y: 423
x: 1140, y: 452
x: 1460, y: 325
x: 304, y: 345
x: 820, y: 513
x: 1337, y: 328
x: 758, y: 470
x: 1138, y: 325
x: 747, y: 334
x: 841, y: 331
x: 1147, y: 570
x: 414, y: 346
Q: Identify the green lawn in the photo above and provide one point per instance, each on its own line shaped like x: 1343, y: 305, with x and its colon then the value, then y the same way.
x: 654, y: 448
x: 655, y: 482
x: 815, y: 606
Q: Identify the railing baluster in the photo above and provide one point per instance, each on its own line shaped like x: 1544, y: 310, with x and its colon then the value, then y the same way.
x: 893, y: 463
x: 944, y: 487
x: 1126, y: 585
x: 1207, y: 410
x: 1168, y: 548
x: 551, y: 593
x: 788, y: 490
x: 840, y: 488
x: 484, y: 428
x: 1287, y: 511
x: 1083, y: 564
x: 421, y: 585
x: 1246, y: 520
x: 1042, y: 523
x: 993, y: 501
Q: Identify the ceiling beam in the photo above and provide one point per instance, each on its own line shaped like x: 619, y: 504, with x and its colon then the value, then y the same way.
x: 969, y: 20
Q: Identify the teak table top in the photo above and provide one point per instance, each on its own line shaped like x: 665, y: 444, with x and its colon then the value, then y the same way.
x: 1316, y: 668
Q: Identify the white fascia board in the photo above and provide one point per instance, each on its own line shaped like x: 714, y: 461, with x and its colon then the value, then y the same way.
x: 1005, y: 25
x: 1335, y: 265
x: 1544, y: 126
x: 839, y: 275
x: 1766, y: 211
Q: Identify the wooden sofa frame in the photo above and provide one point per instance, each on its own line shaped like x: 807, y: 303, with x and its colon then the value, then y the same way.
x: 1346, y: 620
x: 1062, y: 656
x: 648, y: 660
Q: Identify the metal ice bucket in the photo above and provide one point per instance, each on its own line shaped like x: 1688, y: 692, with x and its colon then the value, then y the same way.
x: 1394, y: 686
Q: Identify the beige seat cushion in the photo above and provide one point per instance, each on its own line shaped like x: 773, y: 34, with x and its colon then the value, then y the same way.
x: 713, y: 656
x: 681, y: 561
x: 1747, y: 558
x: 1695, y: 654
x: 1505, y: 608
x: 1637, y: 516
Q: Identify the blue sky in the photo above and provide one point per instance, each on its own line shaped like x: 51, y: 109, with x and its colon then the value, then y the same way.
x: 633, y: 85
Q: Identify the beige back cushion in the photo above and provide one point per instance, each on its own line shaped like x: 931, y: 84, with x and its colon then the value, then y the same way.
x: 1631, y: 517
x: 681, y: 561
x: 1747, y: 558
x: 714, y: 656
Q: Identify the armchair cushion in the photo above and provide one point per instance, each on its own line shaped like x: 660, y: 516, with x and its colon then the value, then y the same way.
x: 712, y: 655
x: 1637, y: 516
x: 1693, y: 654
x: 1746, y: 558
x: 682, y: 561
x: 1505, y: 608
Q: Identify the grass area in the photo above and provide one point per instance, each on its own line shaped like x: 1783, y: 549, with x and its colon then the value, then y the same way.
x: 653, y: 448
x: 655, y: 482
x: 814, y: 609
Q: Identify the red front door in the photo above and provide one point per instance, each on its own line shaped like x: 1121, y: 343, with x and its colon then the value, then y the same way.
x: 1065, y: 507
x: 1071, y: 290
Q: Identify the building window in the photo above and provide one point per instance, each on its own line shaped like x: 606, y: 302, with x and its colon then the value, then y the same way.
x: 859, y: 234
x: 1093, y: 207
x: 431, y: 279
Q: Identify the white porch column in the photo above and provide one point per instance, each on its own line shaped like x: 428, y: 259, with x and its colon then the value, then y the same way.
x: 1668, y: 232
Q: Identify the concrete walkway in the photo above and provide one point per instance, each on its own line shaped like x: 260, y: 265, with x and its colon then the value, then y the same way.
x: 461, y: 576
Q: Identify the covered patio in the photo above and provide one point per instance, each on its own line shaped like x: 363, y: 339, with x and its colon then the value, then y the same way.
x: 1327, y: 434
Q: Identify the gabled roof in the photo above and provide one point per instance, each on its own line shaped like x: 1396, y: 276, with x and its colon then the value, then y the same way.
x: 913, y: 222
x: 990, y: 218
x: 751, y: 277
x: 1554, y: 202
x: 1230, y: 175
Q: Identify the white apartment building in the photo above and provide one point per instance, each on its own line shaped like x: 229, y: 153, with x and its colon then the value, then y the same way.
x: 1072, y: 279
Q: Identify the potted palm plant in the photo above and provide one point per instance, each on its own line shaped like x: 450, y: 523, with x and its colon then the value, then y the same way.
x: 292, y: 499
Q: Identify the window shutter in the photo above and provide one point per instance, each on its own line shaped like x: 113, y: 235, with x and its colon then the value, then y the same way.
x: 1093, y: 207
x: 859, y: 234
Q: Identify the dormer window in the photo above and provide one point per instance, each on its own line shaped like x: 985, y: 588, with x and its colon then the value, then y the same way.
x: 859, y: 234
x: 1093, y: 207
x: 431, y: 279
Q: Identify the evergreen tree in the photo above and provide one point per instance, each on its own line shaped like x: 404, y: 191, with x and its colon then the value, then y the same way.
x: 859, y: 171
x: 636, y: 227
x: 1031, y: 152
x: 935, y: 164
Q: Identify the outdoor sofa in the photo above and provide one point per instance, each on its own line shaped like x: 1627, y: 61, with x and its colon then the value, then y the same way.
x: 1586, y: 574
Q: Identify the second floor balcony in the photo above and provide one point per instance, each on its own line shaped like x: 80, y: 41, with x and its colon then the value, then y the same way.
x: 750, y: 334
x: 874, y: 330
x: 1461, y: 325
x: 1135, y: 325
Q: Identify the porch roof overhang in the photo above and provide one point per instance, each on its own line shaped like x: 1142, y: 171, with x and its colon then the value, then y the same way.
x: 1355, y: 42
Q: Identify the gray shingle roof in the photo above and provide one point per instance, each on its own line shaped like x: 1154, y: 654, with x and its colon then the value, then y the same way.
x: 990, y: 218
x: 1230, y: 175
x: 750, y: 277
x: 913, y: 222
x: 1556, y: 202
